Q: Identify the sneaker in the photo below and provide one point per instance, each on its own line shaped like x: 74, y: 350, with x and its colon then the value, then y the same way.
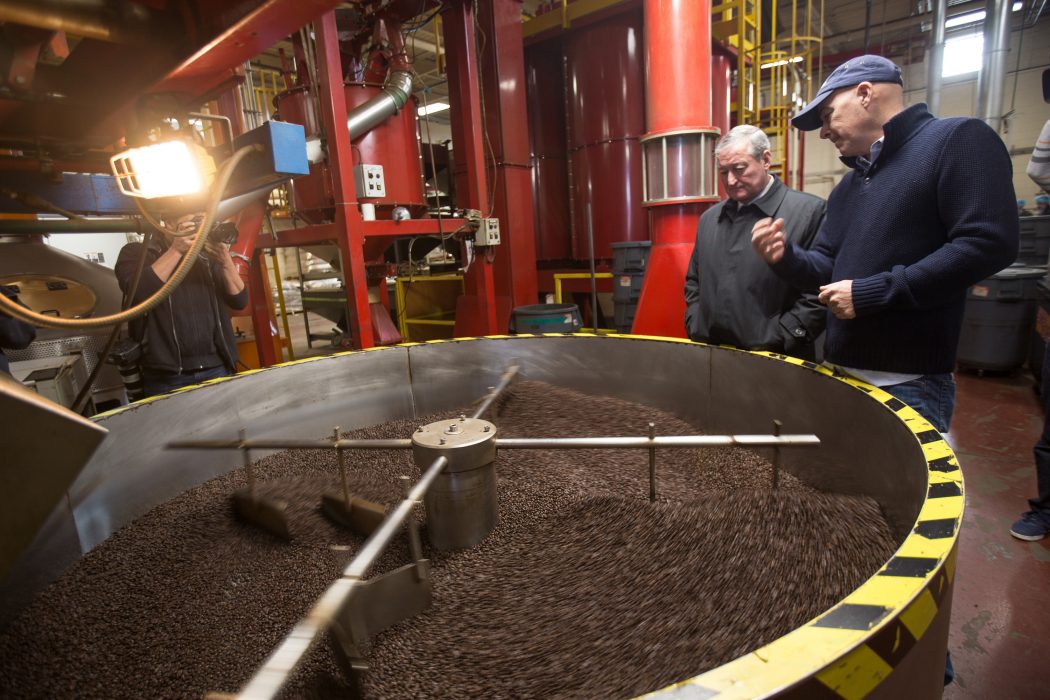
x: 1033, y: 525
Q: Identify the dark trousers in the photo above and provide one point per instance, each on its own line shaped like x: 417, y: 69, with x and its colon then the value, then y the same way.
x: 1042, y: 448
x: 154, y: 383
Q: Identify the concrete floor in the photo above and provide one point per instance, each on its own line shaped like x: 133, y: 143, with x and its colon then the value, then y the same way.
x: 1000, y: 631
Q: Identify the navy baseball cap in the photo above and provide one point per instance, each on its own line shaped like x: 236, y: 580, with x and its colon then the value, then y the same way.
x: 870, y: 68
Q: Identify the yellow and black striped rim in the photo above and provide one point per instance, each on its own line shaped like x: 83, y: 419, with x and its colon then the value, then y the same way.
x: 849, y: 650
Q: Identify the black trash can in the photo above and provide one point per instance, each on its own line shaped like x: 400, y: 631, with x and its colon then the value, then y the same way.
x: 999, y: 318
x: 546, y: 318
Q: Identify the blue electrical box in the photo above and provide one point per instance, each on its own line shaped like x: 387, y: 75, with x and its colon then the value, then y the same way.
x: 283, y: 157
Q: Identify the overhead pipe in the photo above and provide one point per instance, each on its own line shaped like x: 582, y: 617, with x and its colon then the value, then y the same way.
x: 935, y: 57
x: 991, y: 93
x: 121, y: 22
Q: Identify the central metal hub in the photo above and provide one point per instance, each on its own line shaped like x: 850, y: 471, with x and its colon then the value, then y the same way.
x: 462, y: 508
x: 468, y: 443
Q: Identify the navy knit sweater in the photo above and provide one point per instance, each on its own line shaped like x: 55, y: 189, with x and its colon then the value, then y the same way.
x: 933, y: 215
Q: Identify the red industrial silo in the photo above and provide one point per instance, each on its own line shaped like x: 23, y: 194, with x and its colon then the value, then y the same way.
x: 721, y: 99
x: 606, y: 117
x: 392, y: 144
x: 545, y: 94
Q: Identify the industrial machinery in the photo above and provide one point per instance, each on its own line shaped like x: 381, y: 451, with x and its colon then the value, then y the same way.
x: 887, y: 638
x: 57, y: 282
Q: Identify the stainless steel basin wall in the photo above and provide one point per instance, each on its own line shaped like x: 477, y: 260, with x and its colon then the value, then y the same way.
x: 871, y: 444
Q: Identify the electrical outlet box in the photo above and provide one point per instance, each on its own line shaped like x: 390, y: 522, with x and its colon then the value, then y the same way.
x: 488, y: 232
x: 369, y: 180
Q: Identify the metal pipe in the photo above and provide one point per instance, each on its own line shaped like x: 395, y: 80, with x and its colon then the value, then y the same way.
x: 279, y: 666
x: 590, y: 256
x: 504, y: 381
x: 652, y: 463
x: 396, y: 92
x: 278, y: 444
x: 935, y: 58
x: 867, y: 24
x: 117, y: 21
x: 581, y: 443
x: 996, y: 63
x: 645, y: 442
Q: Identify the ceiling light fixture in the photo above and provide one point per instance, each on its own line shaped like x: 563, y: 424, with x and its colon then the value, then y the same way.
x: 432, y: 108
x: 782, y: 62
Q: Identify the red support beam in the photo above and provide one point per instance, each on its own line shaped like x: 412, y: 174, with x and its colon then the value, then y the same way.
x: 259, y: 301
x: 247, y: 254
x: 508, y: 133
x: 476, y: 310
x: 349, y: 232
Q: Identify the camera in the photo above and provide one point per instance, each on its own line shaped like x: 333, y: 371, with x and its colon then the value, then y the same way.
x: 225, y: 232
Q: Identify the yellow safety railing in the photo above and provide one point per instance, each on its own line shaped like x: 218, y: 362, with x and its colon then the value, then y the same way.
x: 560, y: 276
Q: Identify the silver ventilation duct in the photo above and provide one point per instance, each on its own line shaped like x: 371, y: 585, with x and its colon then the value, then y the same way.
x: 396, y: 92
x: 993, y: 71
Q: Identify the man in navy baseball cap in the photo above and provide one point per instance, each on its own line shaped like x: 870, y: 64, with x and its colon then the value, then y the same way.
x: 863, y: 69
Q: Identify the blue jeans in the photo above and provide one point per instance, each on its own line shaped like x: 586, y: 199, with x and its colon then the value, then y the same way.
x: 153, y: 384
x: 931, y: 395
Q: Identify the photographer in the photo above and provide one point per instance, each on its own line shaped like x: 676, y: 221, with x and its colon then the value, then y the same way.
x: 189, y: 337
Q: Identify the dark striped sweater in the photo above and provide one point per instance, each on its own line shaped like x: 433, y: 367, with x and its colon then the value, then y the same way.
x: 935, y: 214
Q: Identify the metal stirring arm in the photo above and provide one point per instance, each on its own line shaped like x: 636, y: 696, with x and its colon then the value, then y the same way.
x: 577, y: 443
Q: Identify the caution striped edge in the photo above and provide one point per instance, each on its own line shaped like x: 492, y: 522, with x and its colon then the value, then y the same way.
x: 858, y: 642
x: 878, y: 623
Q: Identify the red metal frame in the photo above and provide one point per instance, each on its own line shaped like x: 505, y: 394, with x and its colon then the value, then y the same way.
x: 503, y: 83
x: 255, y: 32
x: 349, y: 233
x: 476, y: 311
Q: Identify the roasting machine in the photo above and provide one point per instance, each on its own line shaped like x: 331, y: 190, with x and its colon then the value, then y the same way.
x: 886, y: 638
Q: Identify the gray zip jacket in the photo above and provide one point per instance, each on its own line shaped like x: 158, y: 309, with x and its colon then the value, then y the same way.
x: 732, y: 297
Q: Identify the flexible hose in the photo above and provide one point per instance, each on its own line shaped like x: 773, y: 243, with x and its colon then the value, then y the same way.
x: 81, y: 400
x: 221, y: 182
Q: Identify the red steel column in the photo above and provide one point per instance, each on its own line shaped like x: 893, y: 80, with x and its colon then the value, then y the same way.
x: 721, y: 100
x: 250, y: 262
x: 503, y: 82
x: 476, y: 309
x: 348, y: 225
x: 678, y: 97
x: 249, y: 223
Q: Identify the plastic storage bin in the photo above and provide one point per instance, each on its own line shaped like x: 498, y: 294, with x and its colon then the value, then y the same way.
x: 631, y: 256
x: 999, y: 318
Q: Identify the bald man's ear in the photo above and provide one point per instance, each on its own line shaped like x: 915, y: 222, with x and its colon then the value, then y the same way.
x: 864, y: 92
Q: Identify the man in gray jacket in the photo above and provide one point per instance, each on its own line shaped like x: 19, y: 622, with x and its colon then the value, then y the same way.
x: 731, y: 296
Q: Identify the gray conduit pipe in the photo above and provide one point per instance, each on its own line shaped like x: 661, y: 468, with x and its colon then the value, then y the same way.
x: 396, y: 92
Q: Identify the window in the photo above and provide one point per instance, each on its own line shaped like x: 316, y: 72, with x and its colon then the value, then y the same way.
x: 962, y: 54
